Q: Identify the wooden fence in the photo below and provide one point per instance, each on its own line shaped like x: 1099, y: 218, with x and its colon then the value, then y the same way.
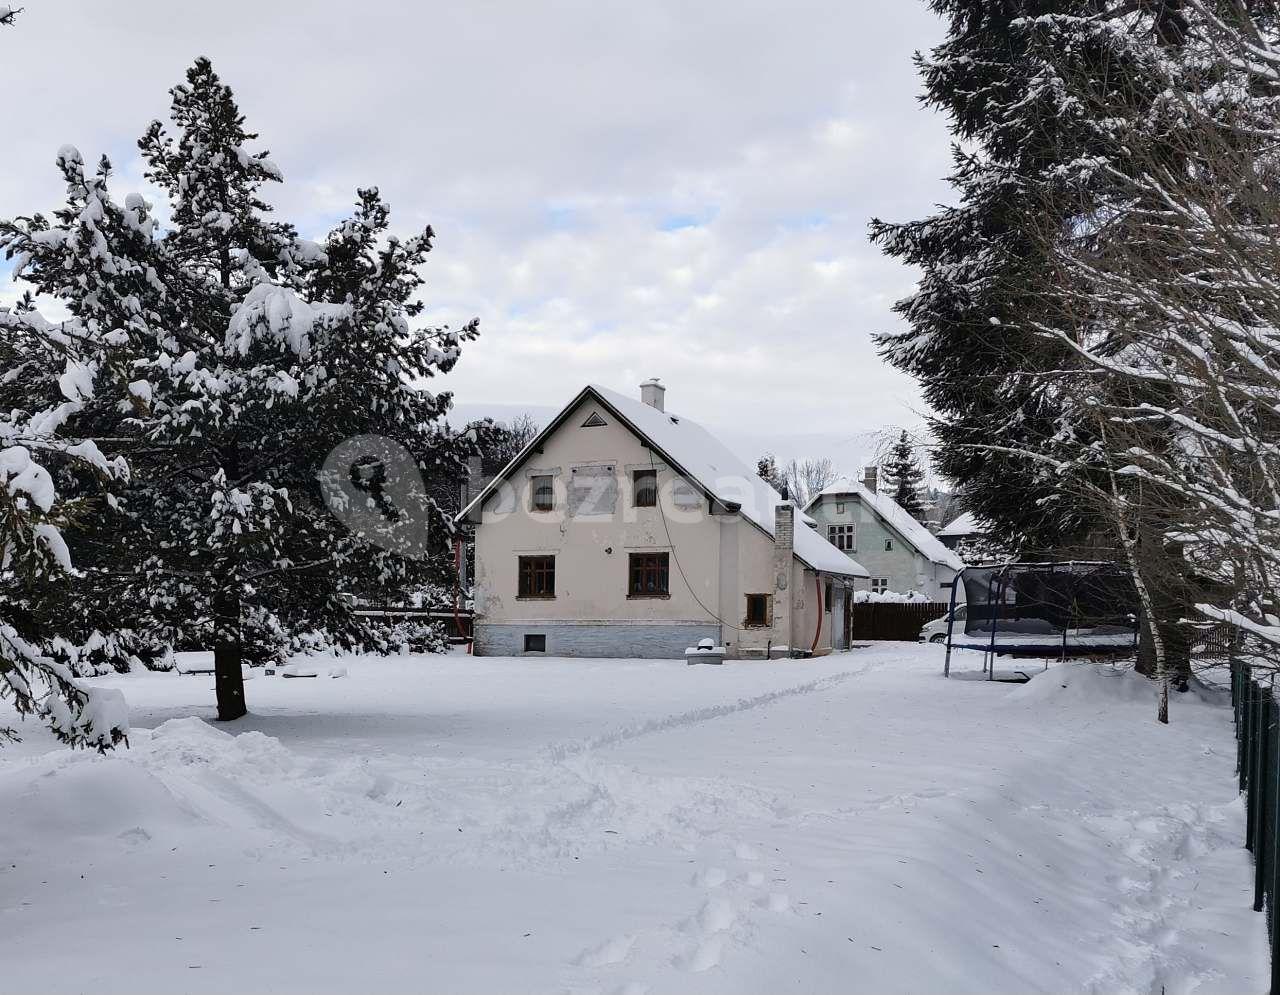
x: 457, y: 625
x: 894, y: 620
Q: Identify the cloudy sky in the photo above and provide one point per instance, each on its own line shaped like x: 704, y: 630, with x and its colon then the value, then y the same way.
x: 619, y: 190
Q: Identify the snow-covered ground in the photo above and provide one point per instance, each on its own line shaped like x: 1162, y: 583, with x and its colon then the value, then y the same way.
x: 854, y: 823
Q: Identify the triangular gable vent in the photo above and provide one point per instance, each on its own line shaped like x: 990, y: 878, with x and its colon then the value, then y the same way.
x: 594, y: 420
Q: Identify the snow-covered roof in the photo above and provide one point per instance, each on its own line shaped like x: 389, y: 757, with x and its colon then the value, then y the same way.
x: 702, y: 458
x: 964, y: 525
x: 925, y: 542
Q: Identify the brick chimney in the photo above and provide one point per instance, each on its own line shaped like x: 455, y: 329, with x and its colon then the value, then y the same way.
x: 651, y: 392
x: 784, y: 517
x: 476, y: 477
x: 870, y: 479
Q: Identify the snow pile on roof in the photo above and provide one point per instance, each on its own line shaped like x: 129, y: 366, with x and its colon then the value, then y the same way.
x: 712, y: 465
x: 892, y: 513
x: 964, y: 525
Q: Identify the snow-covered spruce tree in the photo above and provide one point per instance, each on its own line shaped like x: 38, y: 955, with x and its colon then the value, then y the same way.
x: 767, y: 470
x: 904, y: 480
x: 1036, y: 159
x: 970, y: 341
x: 33, y: 555
x: 73, y: 377
x: 53, y: 373
x: 260, y: 353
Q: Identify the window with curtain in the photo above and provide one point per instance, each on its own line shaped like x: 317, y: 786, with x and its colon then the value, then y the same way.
x: 649, y: 575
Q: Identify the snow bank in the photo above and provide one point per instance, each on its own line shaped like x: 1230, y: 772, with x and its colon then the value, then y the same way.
x: 182, y: 782
x: 77, y: 796
x: 623, y: 825
x: 1091, y: 684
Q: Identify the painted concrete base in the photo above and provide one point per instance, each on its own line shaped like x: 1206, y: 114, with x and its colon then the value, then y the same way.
x: 604, y: 639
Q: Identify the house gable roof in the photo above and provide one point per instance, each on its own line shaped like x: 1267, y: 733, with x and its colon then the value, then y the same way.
x: 963, y: 525
x: 895, y: 516
x: 697, y: 455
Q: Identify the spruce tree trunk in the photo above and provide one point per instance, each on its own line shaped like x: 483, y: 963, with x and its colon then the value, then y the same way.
x: 228, y: 680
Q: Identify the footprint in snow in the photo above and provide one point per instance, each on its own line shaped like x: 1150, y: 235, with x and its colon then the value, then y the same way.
x: 613, y: 951
x: 706, y: 956
x: 716, y: 916
x: 711, y: 877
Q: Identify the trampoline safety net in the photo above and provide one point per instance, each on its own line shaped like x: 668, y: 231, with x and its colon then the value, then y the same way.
x: 1048, y: 608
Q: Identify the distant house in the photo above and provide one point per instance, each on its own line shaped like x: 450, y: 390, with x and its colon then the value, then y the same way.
x: 899, y: 553
x: 963, y: 527
x: 623, y: 530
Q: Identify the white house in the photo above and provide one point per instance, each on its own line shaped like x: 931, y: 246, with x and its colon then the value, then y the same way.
x: 624, y: 530
x: 961, y: 528
x: 900, y: 554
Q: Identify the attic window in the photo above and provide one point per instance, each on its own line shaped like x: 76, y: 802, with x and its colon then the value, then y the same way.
x: 542, y: 494
x: 594, y: 421
x: 646, y: 488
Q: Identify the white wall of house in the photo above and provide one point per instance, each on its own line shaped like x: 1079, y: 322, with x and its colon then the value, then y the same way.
x: 716, y: 559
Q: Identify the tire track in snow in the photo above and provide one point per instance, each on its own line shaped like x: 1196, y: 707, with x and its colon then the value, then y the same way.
x: 560, y: 752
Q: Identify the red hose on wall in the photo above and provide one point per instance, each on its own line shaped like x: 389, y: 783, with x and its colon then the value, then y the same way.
x: 817, y: 579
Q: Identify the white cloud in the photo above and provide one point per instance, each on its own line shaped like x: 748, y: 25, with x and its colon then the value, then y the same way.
x: 618, y: 190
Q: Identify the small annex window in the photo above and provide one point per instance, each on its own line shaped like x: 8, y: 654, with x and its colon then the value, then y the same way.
x: 645, y: 483
x: 757, y: 610
x: 537, y: 577
x: 535, y: 642
x: 843, y: 537
x: 649, y: 576
x: 888, y: 545
x: 879, y: 584
x: 542, y: 493
x: 839, y: 507
x: 594, y: 421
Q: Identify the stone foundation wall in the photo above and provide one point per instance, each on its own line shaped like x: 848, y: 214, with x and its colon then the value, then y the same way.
x: 658, y: 641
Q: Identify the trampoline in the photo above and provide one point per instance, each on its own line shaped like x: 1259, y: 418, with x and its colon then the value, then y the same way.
x: 1064, y: 609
